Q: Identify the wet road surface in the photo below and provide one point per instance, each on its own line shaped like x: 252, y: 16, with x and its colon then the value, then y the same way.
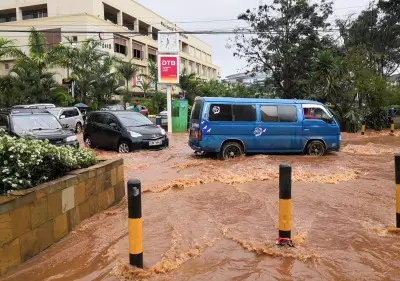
x: 206, y: 219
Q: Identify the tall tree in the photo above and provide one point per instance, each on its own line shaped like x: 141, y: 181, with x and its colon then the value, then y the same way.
x: 376, y: 29
x: 189, y: 84
x: 284, y: 40
x: 153, y: 74
x: 127, y: 70
x: 88, y: 65
x: 34, y: 80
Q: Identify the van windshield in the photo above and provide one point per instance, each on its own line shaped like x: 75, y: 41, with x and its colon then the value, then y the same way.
x: 196, y: 110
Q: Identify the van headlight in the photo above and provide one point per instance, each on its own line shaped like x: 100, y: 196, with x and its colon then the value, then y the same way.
x: 70, y: 138
x: 134, y: 134
x: 163, y: 132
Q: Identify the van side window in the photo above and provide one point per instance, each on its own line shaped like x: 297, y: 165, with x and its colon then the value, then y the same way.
x: 315, y: 113
x: 287, y: 113
x: 244, y: 112
x: 269, y: 113
x: 220, y: 112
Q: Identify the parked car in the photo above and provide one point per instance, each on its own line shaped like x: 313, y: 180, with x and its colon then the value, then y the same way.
x: 69, y: 116
x: 38, y: 123
x: 232, y: 127
x: 123, y: 131
x: 142, y: 109
x: 36, y: 105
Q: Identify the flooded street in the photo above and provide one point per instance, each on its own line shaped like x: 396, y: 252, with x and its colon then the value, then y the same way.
x: 205, y: 219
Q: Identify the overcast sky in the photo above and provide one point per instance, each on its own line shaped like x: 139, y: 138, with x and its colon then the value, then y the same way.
x: 179, y: 11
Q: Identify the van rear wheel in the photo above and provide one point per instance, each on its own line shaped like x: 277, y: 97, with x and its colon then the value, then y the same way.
x: 231, y: 150
x: 316, y: 148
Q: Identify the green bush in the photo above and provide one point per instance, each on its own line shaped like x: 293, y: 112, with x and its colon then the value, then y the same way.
x: 25, y: 163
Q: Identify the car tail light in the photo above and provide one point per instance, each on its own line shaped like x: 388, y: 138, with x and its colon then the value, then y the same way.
x: 197, y: 134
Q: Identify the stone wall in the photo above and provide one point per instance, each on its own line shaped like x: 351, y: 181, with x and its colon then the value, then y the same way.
x: 32, y: 220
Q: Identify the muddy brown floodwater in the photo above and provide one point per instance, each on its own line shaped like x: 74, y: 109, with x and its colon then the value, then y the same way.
x: 206, y: 219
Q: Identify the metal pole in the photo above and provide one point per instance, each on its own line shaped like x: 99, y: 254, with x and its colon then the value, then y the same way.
x: 285, y: 205
x: 169, y: 107
x: 135, y: 223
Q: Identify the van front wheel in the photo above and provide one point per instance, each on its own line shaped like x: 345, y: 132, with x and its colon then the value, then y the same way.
x: 316, y: 148
x: 231, y: 150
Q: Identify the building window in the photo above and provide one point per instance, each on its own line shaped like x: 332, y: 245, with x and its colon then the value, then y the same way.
x: 34, y: 13
x: 53, y: 37
x: 110, y: 14
x: 74, y: 39
x: 137, y: 51
x: 120, y: 45
x: 8, y: 15
x: 152, y: 55
x: 7, y: 66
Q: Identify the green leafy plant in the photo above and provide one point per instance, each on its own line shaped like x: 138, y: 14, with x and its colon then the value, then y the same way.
x: 27, y: 162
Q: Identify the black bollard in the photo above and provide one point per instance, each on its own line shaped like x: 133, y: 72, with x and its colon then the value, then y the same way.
x: 285, y: 205
x: 397, y: 172
x: 135, y: 223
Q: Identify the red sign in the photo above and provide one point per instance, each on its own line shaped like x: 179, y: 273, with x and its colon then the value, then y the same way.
x: 168, y: 69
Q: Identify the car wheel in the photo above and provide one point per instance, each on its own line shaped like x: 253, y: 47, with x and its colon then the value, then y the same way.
x: 231, y: 150
x: 78, y: 128
x: 124, y: 147
x: 88, y: 142
x: 316, y: 148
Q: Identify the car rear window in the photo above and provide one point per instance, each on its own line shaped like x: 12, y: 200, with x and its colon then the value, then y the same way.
x: 196, y: 110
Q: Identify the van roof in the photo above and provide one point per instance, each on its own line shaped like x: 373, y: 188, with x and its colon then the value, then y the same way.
x: 253, y: 100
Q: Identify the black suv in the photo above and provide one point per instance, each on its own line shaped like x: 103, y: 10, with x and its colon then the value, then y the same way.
x: 123, y: 131
x: 38, y: 123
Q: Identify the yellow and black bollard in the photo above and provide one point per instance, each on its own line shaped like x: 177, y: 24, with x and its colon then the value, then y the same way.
x: 392, y: 126
x: 363, y: 127
x: 135, y: 223
x: 397, y: 173
x: 285, y: 205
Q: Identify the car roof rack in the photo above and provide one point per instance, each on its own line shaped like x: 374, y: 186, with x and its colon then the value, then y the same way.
x: 27, y: 110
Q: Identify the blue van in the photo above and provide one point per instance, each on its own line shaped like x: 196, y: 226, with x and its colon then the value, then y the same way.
x: 234, y: 126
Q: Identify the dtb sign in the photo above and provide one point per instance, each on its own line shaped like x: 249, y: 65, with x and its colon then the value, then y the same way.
x: 168, y: 69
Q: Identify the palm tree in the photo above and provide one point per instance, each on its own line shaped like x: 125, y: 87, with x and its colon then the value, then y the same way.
x: 34, y: 80
x: 153, y: 74
x: 145, y: 86
x: 189, y: 84
x: 127, y: 70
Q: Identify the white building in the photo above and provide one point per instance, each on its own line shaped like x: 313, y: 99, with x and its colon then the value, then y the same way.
x: 111, y: 19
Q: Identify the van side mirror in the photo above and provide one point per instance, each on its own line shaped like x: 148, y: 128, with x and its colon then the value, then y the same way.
x: 62, y: 117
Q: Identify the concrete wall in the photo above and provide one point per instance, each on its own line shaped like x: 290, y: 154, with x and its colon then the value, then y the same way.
x: 34, y: 219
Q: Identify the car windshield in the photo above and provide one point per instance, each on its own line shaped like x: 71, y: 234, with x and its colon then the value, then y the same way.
x: 35, y: 122
x: 132, y: 119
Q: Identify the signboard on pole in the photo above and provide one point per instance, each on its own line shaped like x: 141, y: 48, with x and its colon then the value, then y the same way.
x: 168, y: 69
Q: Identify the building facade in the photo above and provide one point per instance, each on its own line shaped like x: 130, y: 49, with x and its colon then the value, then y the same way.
x: 108, y: 21
x: 246, y: 79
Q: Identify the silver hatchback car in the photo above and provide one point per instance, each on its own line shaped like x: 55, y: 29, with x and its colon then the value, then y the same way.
x: 70, y: 116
